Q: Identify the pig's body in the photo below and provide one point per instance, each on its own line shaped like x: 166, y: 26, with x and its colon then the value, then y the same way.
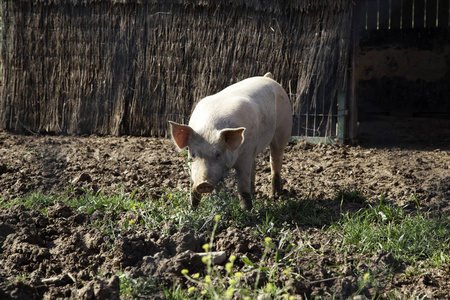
x: 230, y: 128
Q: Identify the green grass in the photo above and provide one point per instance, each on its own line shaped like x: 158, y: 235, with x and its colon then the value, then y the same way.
x: 412, y: 238
x: 268, y: 216
x: 409, y: 237
x: 36, y: 201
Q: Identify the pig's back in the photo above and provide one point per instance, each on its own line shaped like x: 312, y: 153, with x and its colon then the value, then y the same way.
x: 250, y: 103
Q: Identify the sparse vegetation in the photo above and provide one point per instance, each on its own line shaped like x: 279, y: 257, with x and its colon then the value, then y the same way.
x: 413, y: 239
x: 409, y: 237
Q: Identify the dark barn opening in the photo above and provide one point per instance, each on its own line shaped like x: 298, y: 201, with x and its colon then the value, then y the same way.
x: 403, y: 73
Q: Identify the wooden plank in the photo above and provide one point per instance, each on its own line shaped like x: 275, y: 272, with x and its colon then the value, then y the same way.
x: 407, y: 14
x: 396, y: 14
x: 341, y: 118
x: 384, y: 17
x: 372, y: 14
x: 352, y: 125
x: 431, y: 13
x: 419, y: 14
x: 443, y: 14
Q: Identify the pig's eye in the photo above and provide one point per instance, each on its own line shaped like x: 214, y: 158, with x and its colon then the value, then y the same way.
x: 218, y: 155
x: 193, y: 155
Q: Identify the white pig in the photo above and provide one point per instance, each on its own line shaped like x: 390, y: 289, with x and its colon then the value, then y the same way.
x: 228, y: 129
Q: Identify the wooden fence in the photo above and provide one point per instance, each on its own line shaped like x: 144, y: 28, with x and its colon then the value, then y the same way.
x: 402, y: 14
x: 128, y: 66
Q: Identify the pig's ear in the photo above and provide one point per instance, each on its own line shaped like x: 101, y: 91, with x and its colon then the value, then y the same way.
x: 233, y: 138
x: 180, y: 134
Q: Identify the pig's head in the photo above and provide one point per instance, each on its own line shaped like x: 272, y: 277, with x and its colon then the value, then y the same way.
x: 211, y: 154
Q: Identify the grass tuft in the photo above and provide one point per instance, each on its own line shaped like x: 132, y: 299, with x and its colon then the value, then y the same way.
x: 385, y: 226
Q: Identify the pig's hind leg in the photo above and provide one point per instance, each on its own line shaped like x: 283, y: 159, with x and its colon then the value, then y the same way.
x: 276, y: 161
x: 253, y: 177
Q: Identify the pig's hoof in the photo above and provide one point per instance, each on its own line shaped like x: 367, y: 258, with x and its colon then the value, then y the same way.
x: 246, y: 206
x: 246, y: 201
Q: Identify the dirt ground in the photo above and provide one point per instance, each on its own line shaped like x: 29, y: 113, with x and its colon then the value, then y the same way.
x: 60, y: 255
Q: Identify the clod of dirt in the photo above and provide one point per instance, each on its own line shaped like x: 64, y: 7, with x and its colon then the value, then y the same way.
x: 345, y: 286
x: 169, y: 269
x: 129, y: 250
x: 256, y: 277
x: 59, y: 210
x: 182, y: 240
x: 83, y: 177
x: 100, y: 289
x: 3, y: 168
x: 16, y: 290
x: 383, y: 258
x: 234, y: 241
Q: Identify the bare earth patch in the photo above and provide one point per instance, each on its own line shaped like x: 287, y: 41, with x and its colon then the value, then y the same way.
x: 60, y: 256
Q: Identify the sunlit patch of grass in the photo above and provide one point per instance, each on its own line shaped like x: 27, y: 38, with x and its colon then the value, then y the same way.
x: 36, y: 201
x: 385, y: 226
x: 89, y: 201
x: 268, y: 216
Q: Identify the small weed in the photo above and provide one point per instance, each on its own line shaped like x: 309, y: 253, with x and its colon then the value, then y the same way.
x: 89, y: 201
x: 20, y: 277
x: 131, y: 288
x: 365, y: 280
x: 226, y: 283
x: 350, y: 195
x: 34, y: 152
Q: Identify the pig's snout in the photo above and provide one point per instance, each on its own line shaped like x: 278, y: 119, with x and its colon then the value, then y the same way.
x: 204, y: 187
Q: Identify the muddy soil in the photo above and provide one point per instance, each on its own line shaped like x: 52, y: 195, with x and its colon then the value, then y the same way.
x: 60, y: 255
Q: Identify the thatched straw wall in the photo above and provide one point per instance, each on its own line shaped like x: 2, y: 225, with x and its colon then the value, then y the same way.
x: 128, y: 66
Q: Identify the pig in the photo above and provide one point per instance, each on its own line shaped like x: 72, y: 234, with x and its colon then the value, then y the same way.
x: 228, y: 129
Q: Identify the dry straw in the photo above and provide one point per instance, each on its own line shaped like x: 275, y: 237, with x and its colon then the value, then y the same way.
x: 128, y: 66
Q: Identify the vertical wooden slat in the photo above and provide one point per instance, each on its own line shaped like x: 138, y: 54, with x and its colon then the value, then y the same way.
x: 431, y: 13
x: 396, y: 13
x: 359, y: 16
x: 443, y: 13
x: 407, y: 14
x: 352, y: 126
x: 341, y: 117
x: 384, y: 18
x: 419, y: 13
x: 372, y: 14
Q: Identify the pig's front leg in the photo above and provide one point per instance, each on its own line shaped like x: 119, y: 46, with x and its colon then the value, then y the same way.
x: 245, y: 175
x: 195, y: 198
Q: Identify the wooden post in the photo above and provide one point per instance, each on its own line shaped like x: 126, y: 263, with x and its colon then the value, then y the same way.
x: 443, y: 14
x: 419, y: 14
x: 359, y: 14
x: 396, y: 14
x: 341, y: 118
x: 407, y: 14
